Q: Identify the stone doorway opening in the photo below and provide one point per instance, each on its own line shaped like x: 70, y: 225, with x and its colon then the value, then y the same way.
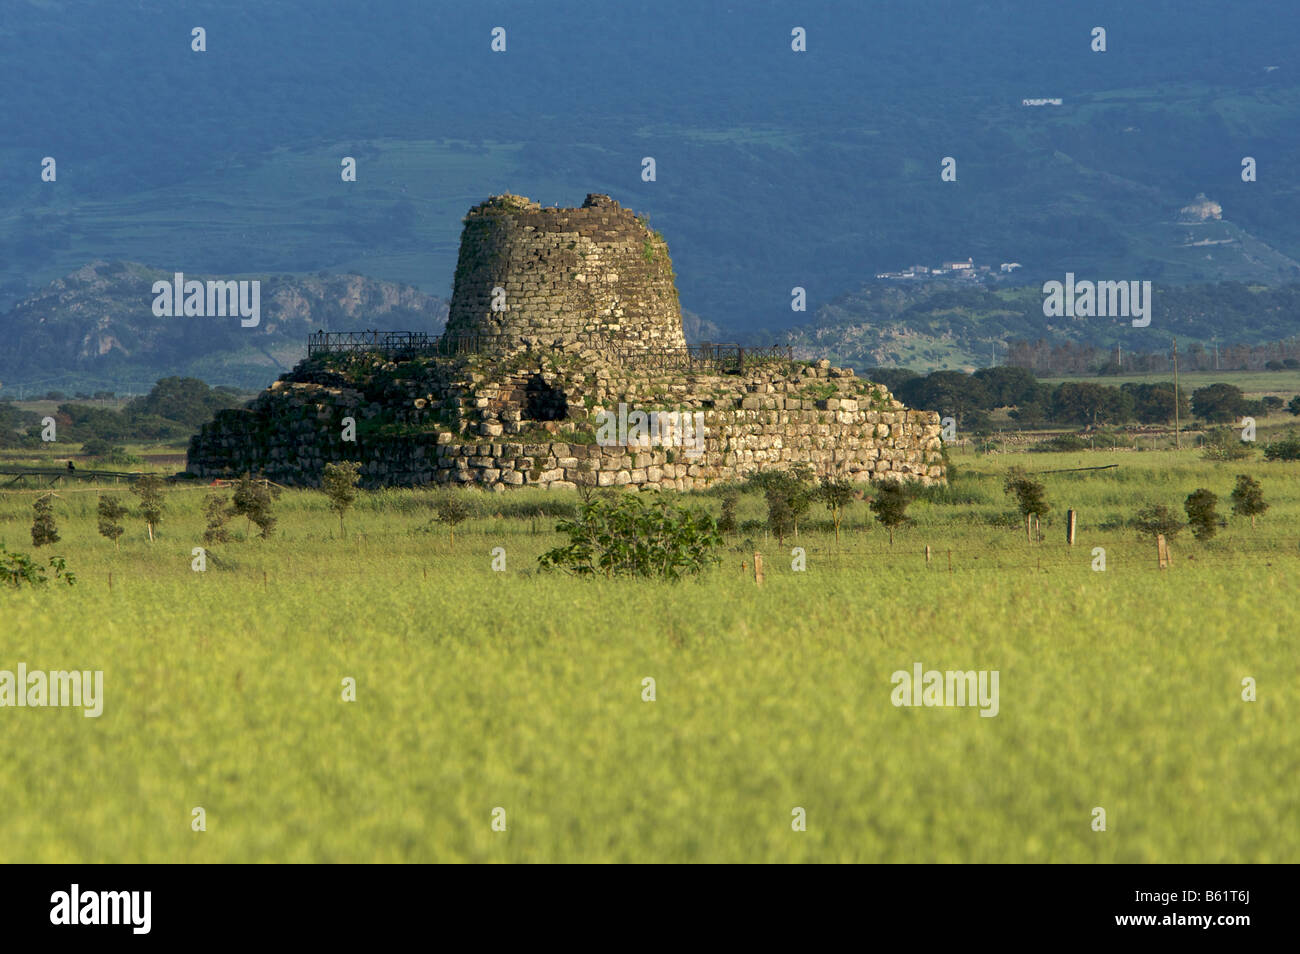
x: 543, y: 401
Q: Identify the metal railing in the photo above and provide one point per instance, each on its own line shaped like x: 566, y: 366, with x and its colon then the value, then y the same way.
x: 721, y: 358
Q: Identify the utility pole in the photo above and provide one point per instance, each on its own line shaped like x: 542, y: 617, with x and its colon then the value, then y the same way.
x: 1178, y: 437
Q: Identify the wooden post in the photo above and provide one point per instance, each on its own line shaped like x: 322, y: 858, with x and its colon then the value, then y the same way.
x: 758, y: 569
x: 927, y: 554
x: 1029, y: 527
x: 1069, y: 527
x: 110, y: 582
x: 1162, y: 551
x: 949, y: 561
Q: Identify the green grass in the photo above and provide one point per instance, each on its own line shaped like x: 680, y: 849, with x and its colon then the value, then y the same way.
x: 478, y: 689
x: 1254, y: 384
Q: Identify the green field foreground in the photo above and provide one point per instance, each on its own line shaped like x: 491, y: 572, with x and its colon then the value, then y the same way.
x: 478, y: 690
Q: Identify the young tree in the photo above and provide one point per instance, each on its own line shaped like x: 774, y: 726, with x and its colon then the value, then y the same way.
x: 340, y: 485
x: 1201, y: 515
x: 836, y: 493
x: 252, y: 500
x: 1029, y: 494
x: 44, y: 529
x: 216, y: 510
x: 727, y: 520
x: 1248, y: 498
x: 150, y: 491
x: 890, y: 506
x: 110, y: 515
x: 451, y: 510
x: 788, y: 494
x: 1157, y: 520
x: 780, y: 517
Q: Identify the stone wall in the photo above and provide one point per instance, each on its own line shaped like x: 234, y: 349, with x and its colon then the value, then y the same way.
x: 596, y: 270
x: 467, y: 422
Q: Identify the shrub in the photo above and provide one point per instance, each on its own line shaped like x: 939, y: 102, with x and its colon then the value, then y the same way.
x: 216, y: 511
x: 727, y: 521
x: 1248, y: 498
x: 836, y: 493
x: 1061, y: 442
x: 1157, y: 520
x: 150, y: 491
x: 96, y: 447
x: 450, y: 509
x: 1225, y: 443
x: 1029, y: 493
x: 627, y: 536
x: 110, y: 515
x: 789, y: 494
x: 18, y: 568
x: 252, y: 501
x: 1288, y: 448
x: 1201, y: 515
x: 890, y: 505
x: 44, y: 529
x: 340, y: 486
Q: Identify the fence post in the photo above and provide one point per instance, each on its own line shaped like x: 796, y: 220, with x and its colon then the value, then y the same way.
x: 1162, y: 551
x: 758, y: 569
x: 1069, y: 527
x: 927, y: 554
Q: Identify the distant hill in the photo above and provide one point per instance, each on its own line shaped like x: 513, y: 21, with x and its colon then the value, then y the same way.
x: 929, y: 327
x: 96, y: 328
x: 775, y: 168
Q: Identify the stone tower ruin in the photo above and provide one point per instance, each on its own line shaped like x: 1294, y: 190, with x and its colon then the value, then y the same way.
x: 563, y: 365
x: 533, y: 276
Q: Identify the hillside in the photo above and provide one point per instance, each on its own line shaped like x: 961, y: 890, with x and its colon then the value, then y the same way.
x: 95, y: 328
x: 929, y: 327
x: 815, y: 170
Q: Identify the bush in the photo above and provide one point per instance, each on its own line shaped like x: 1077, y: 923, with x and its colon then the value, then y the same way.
x: 1029, y: 493
x: 110, y: 514
x: 727, y: 521
x: 890, y: 506
x: 18, y: 568
x: 96, y: 447
x: 1286, y: 449
x: 44, y: 529
x: 1201, y: 515
x: 1062, y: 442
x: 1248, y: 498
x: 627, y: 536
x: 1157, y: 520
x: 450, y: 509
x: 252, y: 501
x: 340, y: 486
x: 1225, y: 443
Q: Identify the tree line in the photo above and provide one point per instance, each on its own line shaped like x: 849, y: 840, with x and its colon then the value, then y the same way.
x: 969, y: 398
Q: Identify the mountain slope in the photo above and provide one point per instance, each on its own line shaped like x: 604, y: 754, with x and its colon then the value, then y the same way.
x: 96, y: 328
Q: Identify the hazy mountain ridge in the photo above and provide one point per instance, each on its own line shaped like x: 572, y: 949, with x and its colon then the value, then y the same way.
x: 97, y: 326
x: 933, y: 327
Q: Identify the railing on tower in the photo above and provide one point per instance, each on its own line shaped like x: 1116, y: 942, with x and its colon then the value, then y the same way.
x: 708, y: 357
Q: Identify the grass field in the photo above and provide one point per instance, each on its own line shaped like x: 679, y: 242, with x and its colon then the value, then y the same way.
x: 1253, y: 384
x: 478, y: 689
